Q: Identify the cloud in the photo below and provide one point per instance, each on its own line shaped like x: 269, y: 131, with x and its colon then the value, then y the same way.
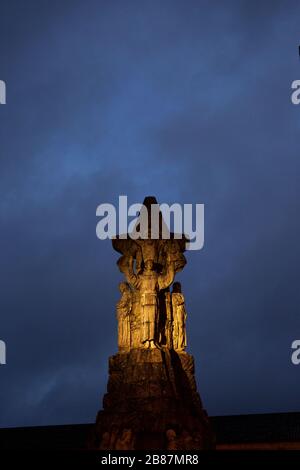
x: 186, y: 102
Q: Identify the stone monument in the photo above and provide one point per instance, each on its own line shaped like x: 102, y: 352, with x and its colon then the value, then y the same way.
x: 152, y: 401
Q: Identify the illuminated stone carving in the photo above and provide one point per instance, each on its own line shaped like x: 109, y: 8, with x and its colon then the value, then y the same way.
x: 179, y: 318
x: 152, y: 400
x: 124, y: 307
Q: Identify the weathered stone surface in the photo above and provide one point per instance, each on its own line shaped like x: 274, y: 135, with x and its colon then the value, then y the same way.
x: 148, y: 399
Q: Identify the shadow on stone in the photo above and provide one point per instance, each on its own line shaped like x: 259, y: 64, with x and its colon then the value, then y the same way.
x: 152, y: 403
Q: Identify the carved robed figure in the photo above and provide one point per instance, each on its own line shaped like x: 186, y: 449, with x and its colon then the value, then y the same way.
x: 124, y: 307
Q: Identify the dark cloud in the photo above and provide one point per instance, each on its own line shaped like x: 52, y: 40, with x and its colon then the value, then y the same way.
x: 191, y: 103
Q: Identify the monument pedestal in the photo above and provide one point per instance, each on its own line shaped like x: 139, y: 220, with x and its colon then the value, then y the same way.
x: 152, y: 403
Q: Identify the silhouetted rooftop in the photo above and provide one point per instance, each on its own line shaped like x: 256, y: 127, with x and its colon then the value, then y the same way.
x: 275, y: 427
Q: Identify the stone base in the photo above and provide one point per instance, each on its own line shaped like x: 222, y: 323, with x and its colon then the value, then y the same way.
x: 152, y: 403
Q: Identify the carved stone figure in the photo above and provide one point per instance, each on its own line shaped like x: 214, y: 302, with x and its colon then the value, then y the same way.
x: 124, y: 307
x: 148, y: 283
x: 126, y: 441
x: 179, y: 318
x: 171, y: 440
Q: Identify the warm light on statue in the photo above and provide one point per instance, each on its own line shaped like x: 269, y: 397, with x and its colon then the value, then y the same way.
x: 152, y: 400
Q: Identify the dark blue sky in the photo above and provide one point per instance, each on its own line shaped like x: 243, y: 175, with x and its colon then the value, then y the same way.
x: 185, y: 100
